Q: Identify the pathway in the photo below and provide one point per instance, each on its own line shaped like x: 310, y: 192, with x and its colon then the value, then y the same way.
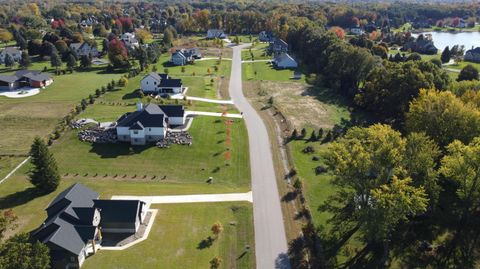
x: 213, y: 114
x: 15, y: 169
x: 194, y: 198
x: 200, y: 99
x: 270, y: 239
x: 452, y: 70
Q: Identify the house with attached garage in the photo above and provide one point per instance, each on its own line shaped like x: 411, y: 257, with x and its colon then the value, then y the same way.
x: 77, y: 221
x: 84, y: 49
x: 185, y: 56
x: 25, y: 78
x: 15, y: 53
x: 265, y: 36
x: 283, y: 61
x: 155, y: 83
x: 149, y: 123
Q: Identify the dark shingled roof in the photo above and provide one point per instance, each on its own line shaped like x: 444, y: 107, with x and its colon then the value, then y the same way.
x: 173, y: 110
x: 170, y: 83
x: 150, y: 116
x: 69, y: 221
x: 9, y: 79
x: 118, y: 212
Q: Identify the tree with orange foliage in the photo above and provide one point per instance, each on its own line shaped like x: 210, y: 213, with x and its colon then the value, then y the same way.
x: 338, y: 31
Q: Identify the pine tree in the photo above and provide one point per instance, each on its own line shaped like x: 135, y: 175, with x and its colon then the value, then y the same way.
x: 320, y: 133
x: 313, y: 136
x: 304, y: 132
x: 446, y: 55
x: 9, y: 60
x: 71, y: 62
x: 44, y: 174
x: 25, y: 61
x: 294, y: 134
x: 55, y: 60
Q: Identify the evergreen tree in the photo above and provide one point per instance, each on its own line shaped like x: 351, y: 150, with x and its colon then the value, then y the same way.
x: 304, y: 132
x: 85, y: 61
x: 9, y: 62
x: 44, y: 174
x: 55, y: 60
x: 25, y: 61
x: 313, y: 136
x: 71, y: 62
x: 469, y: 72
x: 446, y: 55
x: 294, y: 134
x: 320, y: 133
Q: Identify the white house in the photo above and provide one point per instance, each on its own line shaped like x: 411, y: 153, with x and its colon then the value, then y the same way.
x: 356, y: 31
x: 284, y: 60
x: 130, y: 40
x: 12, y: 51
x: 84, y: 48
x: 154, y: 83
x: 149, y: 123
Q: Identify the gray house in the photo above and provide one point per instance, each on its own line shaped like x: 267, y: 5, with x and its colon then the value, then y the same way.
x: 216, y: 33
x: 73, y: 228
x: 178, y: 58
x: 472, y: 55
x: 284, y: 61
x: 278, y: 46
x: 185, y: 56
x: 265, y: 36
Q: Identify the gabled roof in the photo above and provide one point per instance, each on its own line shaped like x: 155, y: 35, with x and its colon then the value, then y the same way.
x: 173, y: 110
x: 179, y: 54
x: 77, y: 194
x: 11, y: 50
x: 170, y: 83
x: 137, y: 126
x: 7, y: 78
x: 475, y: 50
x: 156, y: 76
x: 150, y: 116
x: 280, y: 42
x: 76, y: 46
x: 283, y: 57
x: 118, y: 212
x: 37, y: 77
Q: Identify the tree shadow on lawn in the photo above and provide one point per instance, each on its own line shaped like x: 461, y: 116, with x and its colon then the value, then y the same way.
x: 20, y: 198
x: 110, y: 150
x: 205, y: 243
x: 131, y: 95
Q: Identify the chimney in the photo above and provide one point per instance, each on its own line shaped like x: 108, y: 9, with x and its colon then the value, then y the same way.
x: 139, y: 106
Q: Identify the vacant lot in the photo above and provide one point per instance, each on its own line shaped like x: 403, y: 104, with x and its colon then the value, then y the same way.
x: 24, y: 118
x: 302, y: 105
x: 178, y: 236
x: 258, y: 52
x: 265, y: 71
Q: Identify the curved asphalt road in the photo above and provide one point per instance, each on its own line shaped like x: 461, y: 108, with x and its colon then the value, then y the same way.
x: 270, y: 238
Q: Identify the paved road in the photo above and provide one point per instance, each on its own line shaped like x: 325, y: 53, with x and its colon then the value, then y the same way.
x: 270, y: 238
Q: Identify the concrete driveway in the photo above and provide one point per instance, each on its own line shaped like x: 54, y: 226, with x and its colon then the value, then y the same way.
x: 270, y: 239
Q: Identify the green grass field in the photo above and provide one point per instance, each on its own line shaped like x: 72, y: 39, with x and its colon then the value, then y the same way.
x: 259, y: 53
x: 25, y: 118
x: 265, y: 71
x: 180, y: 164
x: 176, y: 236
x: 199, y: 68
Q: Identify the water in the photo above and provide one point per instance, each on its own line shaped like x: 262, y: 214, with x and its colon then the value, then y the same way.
x: 443, y: 39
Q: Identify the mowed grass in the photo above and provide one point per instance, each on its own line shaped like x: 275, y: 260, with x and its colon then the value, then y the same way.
x: 198, y: 68
x: 18, y: 194
x: 24, y: 118
x: 8, y: 163
x: 176, y: 236
x: 265, y: 71
x: 259, y: 53
x: 180, y: 164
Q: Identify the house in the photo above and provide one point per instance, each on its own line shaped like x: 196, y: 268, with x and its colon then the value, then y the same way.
x: 184, y: 56
x: 24, y: 78
x: 265, y: 36
x: 472, y: 55
x: 283, y: 61
x: 423, y: 45
x: 278, y: 46
x: 73, y: 227
x: 12, y: 51
x: 155, y: 83
x: 130, y: 41
x: 216, y: 33
x: 84, y: 49
x: 356, y: 31
x: 149, y: 123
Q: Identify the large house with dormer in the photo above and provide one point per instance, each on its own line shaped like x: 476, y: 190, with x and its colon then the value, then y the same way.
x: 76, y: 220
x: 278, y: 46
x: 216, y: 33
x: 162, y: 84
x: 149, y: 123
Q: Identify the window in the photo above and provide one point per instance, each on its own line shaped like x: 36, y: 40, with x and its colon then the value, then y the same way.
x: 147, y: 82
x: 135, y: 132
x: 154, y: 83
x: 149, y: 129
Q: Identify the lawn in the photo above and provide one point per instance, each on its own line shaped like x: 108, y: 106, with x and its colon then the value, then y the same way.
x: 175, y: 240
x: 259, y: 53
x: 265, y: 71
x: 198, y: 68
x: 180, y: 164
x: 24, y: 118
x: 7, y: 163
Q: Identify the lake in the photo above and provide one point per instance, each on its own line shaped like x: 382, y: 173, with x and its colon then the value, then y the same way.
x: 443, y: 39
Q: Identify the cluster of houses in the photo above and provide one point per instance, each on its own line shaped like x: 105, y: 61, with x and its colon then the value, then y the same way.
x: 24, y: 78
x: 84, y: 49
x: 279, y: 50
x: 185, y: 56
x: 77, y: 221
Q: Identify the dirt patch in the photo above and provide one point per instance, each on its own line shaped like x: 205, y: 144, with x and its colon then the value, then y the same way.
x: 300, y: 105
x: 207, y: 47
